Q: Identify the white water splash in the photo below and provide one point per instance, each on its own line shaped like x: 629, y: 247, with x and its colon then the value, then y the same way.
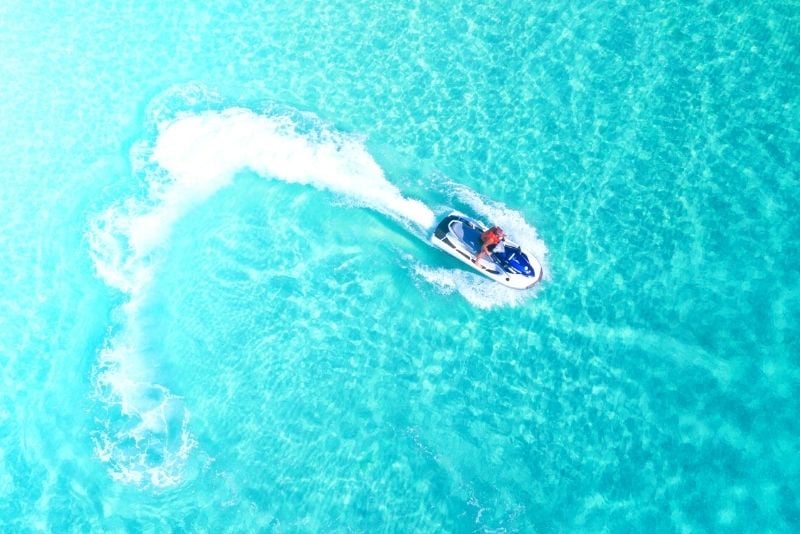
x: 203, y: 152
x: 144, y: 437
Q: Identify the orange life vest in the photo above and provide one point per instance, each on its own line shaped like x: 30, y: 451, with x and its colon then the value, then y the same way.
x: 491, y: 236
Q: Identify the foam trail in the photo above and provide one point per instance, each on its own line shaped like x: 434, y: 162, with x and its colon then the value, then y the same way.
x: 144, y: 437
x: 202, y: 152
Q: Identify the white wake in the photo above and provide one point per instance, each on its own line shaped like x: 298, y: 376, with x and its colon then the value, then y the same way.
x: 144, y: 436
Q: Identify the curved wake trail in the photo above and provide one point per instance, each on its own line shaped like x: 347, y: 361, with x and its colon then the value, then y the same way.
x: 203, y: 152
x: 144, y: 437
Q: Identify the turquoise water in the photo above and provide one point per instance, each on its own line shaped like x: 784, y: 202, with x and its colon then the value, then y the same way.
x: 219, y: 310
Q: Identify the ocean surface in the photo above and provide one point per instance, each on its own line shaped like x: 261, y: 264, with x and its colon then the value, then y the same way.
x: 219, y: 310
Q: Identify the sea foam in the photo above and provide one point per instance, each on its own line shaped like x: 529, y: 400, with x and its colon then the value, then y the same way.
x: 144, y: 436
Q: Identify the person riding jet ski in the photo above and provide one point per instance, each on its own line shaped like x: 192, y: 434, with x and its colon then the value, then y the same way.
x: 489, y: 252
x: 490, y: 239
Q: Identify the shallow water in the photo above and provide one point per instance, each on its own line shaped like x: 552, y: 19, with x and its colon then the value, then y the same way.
x: 220, y: 309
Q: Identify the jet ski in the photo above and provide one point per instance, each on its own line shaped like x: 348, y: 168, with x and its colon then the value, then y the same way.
x: 460, y: 236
